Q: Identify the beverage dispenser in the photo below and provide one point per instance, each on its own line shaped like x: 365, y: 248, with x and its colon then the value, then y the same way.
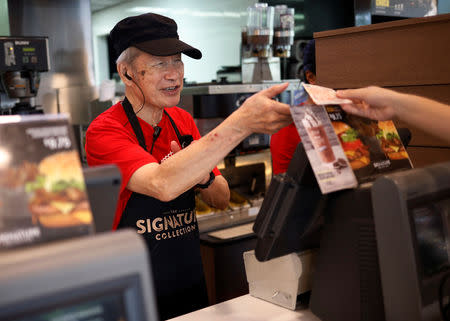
x: 260, y: 29
x: 266, y: 42
x: 257, y: 61
x: 283, y: 37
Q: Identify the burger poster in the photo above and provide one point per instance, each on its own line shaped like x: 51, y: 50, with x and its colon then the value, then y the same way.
x: 372, y: 147
x: 325, y: 154
x: 42, y: 191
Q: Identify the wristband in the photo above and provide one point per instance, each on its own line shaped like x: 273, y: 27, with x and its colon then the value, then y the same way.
x: 209, y: 182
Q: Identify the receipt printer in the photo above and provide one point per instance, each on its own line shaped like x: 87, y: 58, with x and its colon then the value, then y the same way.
x: 282, y: 279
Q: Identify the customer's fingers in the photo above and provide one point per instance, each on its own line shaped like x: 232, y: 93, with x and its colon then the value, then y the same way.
x: 356, y: 95
x: 358, y: 110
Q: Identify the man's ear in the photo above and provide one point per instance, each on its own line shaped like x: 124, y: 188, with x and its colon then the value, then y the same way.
x: 124, y: 74
x: 310, y: 77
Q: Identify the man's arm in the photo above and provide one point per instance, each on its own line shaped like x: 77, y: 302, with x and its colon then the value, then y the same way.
x: 185, y: 169
x: 217, y: 194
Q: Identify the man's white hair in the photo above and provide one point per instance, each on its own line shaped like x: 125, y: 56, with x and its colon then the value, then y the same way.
x: 128, y: 55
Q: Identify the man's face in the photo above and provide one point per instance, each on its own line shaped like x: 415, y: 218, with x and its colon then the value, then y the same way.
x: 160, y: 78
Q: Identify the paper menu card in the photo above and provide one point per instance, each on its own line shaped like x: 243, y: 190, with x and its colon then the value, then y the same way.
x: 370, y: 147
x: 323, y: 95
x: 42, y: 191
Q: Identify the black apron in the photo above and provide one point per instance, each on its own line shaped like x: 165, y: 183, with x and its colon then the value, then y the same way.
x: 170, y: 230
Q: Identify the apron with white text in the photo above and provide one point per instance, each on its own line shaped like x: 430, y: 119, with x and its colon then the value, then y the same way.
x: 170, y: 230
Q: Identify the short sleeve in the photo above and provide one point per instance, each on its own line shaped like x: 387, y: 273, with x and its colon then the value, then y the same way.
x: 109, y: 142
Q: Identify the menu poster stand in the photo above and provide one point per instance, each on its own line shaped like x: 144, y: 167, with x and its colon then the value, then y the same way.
x: 42, y: 190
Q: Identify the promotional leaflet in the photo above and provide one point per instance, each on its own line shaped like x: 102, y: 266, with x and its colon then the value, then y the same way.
x: 42, y: 191
x: 325, y: 154
x: 338, y: 143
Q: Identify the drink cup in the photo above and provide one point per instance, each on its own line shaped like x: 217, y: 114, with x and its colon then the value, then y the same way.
x: 321, y: 144
x: 318, y: 136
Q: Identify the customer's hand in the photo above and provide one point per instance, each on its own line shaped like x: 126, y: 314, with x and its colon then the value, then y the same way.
x: 370, y: 102
x: 261, y: 114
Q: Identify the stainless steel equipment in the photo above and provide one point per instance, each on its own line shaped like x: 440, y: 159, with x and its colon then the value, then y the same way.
x: 255, y: 69
x: 21, y: 61
x: 69, y: 86
x: 248, y: 178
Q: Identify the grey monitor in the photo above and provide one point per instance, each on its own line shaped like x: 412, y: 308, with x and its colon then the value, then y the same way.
x: 98, y: 277
x: 290, y: 217
x: 103, y: 186
x: 411, y: 214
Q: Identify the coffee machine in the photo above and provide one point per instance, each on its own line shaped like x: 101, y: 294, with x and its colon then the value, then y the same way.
x: 21, y: 61
x: 266, y: 42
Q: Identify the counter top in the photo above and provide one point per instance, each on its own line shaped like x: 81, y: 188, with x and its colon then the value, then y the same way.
x: 248, y: 308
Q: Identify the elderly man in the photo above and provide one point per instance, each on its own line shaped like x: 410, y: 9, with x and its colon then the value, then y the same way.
x: 162, y: 157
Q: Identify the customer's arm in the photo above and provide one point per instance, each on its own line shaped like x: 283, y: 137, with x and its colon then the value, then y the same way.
x: 383, y: 104
x: 185, y: 169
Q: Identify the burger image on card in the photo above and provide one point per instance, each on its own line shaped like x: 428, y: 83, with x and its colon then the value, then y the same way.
x: 357, y: 153
x: 58, y: 196
x: 390, y: 141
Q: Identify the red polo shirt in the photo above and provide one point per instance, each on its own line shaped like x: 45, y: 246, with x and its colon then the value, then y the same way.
x: 111, y: 140
x: 282, y: 146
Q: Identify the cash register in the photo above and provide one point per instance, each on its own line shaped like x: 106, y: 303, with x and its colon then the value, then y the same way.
x: 382, y: 250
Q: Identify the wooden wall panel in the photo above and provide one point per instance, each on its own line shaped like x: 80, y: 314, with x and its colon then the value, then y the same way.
x: 409, y: 56
x: 398, y: 53
x: 423, y: 156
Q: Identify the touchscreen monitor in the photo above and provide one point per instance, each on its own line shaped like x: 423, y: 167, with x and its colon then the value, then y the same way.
x: 99, y: 277
x: 290, y: 216
x: 411, y: 214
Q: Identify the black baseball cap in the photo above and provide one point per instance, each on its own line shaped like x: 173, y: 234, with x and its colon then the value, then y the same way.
x: 151, y: 33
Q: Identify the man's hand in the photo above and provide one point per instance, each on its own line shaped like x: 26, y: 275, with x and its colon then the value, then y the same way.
x: 370, y: 102
x: 261, y: 114
x: 174, y: 147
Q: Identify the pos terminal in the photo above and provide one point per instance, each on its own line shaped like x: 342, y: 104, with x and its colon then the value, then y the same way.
x: 383, y: 247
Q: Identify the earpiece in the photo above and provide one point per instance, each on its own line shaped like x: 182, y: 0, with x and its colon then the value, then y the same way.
x: 126, y: 75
